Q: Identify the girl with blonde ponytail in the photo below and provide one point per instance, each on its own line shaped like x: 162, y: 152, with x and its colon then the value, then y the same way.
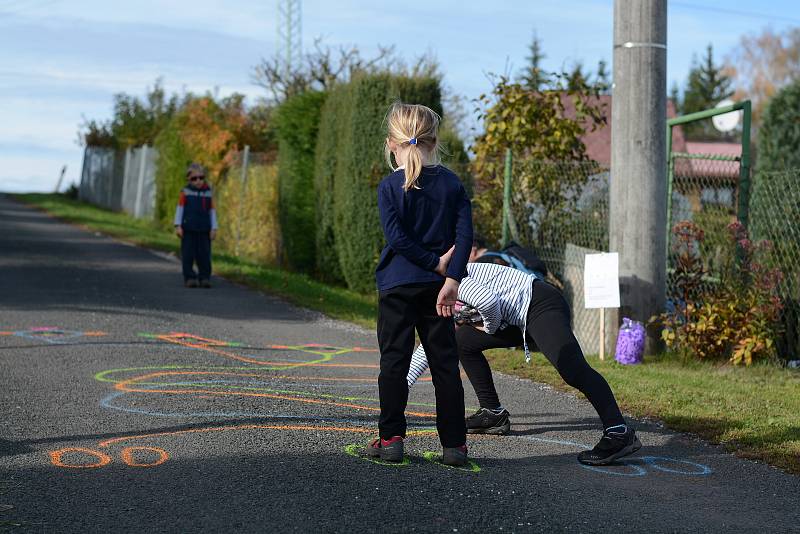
x: 427, y: 222
x: 413, y: 137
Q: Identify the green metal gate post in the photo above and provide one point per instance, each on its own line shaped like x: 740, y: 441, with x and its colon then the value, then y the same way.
x: 744, y: 165
x: 743, y: 209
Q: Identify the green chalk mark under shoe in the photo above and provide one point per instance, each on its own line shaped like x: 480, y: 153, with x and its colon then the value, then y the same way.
x: 356, y: 450
x: 436, y: 458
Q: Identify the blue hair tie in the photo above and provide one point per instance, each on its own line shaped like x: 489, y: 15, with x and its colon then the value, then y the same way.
x: 412, y: 141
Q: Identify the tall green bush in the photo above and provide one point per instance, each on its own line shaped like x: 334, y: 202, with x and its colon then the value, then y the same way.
x: 205, y: 131
x: 779, y: 136
x: 329, y: 137
x: 173, y: 156
x: 296, y: 122
x: 359, y: 165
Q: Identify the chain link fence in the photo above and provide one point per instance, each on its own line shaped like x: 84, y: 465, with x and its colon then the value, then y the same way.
x: 775, y: 216
x: 247, y: 206
x: 560, y: 211
x: 704, y: 190
x: 562, y: 224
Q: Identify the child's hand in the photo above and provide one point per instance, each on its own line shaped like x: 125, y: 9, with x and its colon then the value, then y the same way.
x: 179, y: 231
x: 212, y: 235
x: 447, y: 298
x: 444, y: 261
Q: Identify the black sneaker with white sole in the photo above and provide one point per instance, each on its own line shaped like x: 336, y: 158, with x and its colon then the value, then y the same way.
x: 612, y: 446
x: 487, y: 422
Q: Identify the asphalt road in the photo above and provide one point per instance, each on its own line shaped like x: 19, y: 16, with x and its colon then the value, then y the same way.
x: 129, y: 403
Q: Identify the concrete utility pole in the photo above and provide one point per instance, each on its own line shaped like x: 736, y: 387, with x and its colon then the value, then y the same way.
x: 638, y: 159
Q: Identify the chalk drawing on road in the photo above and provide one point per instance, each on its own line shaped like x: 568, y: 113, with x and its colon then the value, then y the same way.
x: 324, y: 353
x: 436, y: 458
x: 131, y: 456
x: 51, y: 334
x: 232, y: 383
x: 84, y: 458
x: 271, y: 380
x: 635, y: 466
x: 356, y: 450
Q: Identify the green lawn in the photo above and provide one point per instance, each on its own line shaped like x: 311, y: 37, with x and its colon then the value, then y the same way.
x: 754, y: 412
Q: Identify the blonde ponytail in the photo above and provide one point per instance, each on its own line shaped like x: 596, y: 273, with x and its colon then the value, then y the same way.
x: 416, y: 127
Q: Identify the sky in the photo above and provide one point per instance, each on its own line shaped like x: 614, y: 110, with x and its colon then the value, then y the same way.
x: 63, y: 60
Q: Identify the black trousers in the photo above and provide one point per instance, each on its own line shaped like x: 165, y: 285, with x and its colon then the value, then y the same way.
x: 401, y: 310
x: 196, y: 248
x: 549, y: 328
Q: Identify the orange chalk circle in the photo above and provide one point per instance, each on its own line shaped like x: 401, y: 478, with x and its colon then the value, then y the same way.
x: 56, y: 458
x: 128, y: 456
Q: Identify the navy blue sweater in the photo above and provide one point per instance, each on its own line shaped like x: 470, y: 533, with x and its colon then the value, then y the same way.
x: 422, y: 224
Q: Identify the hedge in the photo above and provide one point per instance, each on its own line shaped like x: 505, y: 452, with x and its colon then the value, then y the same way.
x: 355, y: 153
x: 329, y: 139
x: 296, y: 122
x: 173, y: 157
x: 248, y: 219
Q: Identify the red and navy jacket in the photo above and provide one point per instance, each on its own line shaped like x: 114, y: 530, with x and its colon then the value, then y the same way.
x: 195, y: 211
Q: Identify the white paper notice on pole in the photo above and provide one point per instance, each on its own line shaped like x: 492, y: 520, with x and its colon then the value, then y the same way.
x: 601, y: 280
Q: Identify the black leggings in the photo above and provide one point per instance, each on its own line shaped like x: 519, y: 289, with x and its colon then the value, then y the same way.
x: 549, y: 329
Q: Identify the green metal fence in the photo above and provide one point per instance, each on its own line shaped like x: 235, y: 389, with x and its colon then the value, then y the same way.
x: 775, y: 216
x: 576, y: 213
x: 563, y: 223
x: 709, y: 190
x: 704, y: 189
x: 560, y: 210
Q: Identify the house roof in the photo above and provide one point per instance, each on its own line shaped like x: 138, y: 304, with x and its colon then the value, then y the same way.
x: 598, y: 144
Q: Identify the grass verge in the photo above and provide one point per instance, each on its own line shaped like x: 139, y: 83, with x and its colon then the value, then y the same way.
x: 754, y: 412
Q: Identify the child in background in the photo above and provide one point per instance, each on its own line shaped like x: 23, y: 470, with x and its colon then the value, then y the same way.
x: 196, y: 225
x: 427, y: 222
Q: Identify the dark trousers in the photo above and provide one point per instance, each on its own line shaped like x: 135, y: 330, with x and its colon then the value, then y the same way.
x: 401, y: 310
x: 549, y: 328
x: 196, y: 248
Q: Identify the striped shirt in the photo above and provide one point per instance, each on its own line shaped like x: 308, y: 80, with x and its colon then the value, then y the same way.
x: 501, y: 295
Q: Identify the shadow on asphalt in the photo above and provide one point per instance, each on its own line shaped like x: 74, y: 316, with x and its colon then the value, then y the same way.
x: 97, y: 274
x: 13, y: 448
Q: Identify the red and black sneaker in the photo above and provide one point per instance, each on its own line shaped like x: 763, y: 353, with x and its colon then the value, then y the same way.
x: 455, y: 456
x: 388, y: 450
